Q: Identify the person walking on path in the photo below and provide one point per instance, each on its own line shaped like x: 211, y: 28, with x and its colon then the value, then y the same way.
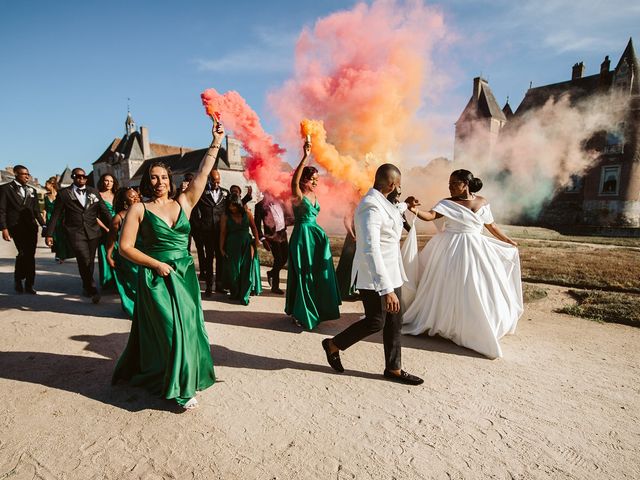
x: 19, y: 219
x: 378, y: 275
x: 81, y: 207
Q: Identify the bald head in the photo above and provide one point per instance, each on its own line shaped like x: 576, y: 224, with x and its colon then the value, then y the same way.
x: 214, y: 178
x: 387, y: 178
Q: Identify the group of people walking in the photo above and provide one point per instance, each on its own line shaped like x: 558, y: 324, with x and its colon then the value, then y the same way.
x: 463, y: 285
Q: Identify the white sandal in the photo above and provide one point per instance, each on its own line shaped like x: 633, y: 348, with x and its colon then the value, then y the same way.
x: 191, y: 404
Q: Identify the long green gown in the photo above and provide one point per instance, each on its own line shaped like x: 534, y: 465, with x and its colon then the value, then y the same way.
x: 168, y: 351
x: 107, y: 281
x: 125, y: 276
x: 312, y: 289
x: 61, y: 246
x: 241, y: 268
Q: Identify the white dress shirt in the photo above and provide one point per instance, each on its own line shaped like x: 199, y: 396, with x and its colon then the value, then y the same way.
x: 81, y: 195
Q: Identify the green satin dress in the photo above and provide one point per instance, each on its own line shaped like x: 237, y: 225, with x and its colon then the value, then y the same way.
x: 312, y: 289
x: 107, y: 281
x: 241, y: 267
x: 125, y: 276
x: 168, y: 351
x: 61, y: 246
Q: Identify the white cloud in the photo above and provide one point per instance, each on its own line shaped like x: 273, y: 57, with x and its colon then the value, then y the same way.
x: 270, y: 52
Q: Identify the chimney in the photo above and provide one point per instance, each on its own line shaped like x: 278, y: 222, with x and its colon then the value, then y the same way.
x: 577, y: 71
x: 146, y: 147
x: 604, y: 66
x: 477, y: 83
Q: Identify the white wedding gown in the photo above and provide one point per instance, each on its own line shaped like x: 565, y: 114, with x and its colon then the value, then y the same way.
x: 464, y: 285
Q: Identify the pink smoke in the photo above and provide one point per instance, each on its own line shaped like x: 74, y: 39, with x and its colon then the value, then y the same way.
x: 363, y: 73
x: 264, y: 162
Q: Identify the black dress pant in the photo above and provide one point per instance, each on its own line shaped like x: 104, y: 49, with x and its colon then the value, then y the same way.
x: 280, y: 252
x: 85, y: 250
x: 209, y: 241
x: 375, y: 319
x: 25, y: 240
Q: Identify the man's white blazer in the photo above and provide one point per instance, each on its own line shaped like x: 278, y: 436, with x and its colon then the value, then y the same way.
x: 377, y: 264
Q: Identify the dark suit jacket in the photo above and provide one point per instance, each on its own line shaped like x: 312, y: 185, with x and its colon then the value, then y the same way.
x: 16, y: 211
x: 80, y: 222
x: 207, y: 213
x: 265, y: 223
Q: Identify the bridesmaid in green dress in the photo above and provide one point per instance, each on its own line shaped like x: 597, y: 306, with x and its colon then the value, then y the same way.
x: 61, y: 247
x: 242, y: 266
x: 168, y: 351
x: 107, y: 186
x: 312, y: 289
x: 125, y: 273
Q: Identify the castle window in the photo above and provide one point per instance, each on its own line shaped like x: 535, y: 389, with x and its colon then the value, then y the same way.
x: 610, y: 180
x: 615, y: 140
x: 575, y: 184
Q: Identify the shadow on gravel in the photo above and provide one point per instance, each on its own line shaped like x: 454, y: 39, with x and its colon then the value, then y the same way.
x: 283, y: 323
x: 59, y: 294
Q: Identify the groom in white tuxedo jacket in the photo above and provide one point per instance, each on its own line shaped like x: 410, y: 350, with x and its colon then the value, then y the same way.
x: 378, y: 274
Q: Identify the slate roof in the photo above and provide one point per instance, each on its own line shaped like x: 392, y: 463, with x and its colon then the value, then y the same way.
x: 485, y: 106
x: 188, y: 162
x: 125, y: 146
x: 583, y: 87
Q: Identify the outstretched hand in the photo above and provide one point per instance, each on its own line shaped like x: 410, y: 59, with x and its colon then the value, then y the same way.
x: 306, y: 149
x: 412, y: 202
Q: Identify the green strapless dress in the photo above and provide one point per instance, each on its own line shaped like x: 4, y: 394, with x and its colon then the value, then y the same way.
x: 125, y: 276
x: 61, y: 246
x: 107, y: 281
x: 312, y: 289
x: 168, y: 351
x: 241, y: 267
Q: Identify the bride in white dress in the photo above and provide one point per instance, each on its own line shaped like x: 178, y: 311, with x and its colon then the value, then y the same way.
x: 469, y: 288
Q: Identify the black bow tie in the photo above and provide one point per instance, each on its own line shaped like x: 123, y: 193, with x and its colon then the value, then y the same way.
x: 82, y: 190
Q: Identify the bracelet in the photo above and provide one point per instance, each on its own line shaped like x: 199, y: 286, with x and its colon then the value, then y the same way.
x: 214, y: 146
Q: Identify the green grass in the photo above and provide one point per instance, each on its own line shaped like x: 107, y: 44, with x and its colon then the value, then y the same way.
x: 531, y: 293
x: 609, y: 307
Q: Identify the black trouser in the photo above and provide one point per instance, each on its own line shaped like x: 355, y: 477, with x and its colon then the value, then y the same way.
x: 375, y: 319
x: 25, y: 240
x: 209, y: 241
x: 280, y: 252
x: 85, y: 250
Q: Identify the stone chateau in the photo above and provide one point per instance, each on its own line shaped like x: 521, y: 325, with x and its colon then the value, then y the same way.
x: 605, y: 197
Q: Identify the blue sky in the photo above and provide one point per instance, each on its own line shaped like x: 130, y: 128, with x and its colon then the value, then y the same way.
x: 69, y: 67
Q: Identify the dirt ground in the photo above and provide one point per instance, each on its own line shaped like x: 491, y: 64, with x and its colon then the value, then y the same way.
x: 563, y: 402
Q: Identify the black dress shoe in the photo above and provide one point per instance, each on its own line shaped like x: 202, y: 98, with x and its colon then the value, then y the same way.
x: 332, y: 358
x: 404, y: 377
x: 277, y: 291
x: 207, y: 292
x: 30, y: 289
x: 95, y: 298
x: 18, y: 286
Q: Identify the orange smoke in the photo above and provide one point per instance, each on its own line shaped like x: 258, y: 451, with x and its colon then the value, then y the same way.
x: 343, y: 167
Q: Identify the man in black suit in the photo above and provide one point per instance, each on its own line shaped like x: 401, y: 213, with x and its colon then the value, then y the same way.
x: 205, y: 222
x: 81, y: 206
x: 19, y: 219
x: 271, y: 220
